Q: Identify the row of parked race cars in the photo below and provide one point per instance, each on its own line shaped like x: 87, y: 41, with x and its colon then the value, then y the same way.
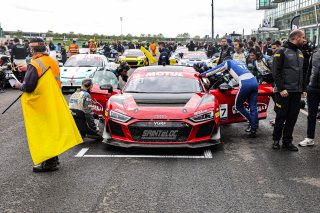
x: 160, y: 106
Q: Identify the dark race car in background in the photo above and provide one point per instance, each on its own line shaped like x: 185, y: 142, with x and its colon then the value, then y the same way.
x: 170, y: 107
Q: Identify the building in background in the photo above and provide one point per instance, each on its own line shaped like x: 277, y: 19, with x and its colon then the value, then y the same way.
x: 279, y: 14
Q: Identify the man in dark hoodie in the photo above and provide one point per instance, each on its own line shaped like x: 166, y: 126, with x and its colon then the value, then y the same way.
x: 289, y: 81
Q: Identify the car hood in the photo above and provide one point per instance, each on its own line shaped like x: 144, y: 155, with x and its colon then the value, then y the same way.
x: 132, y: 56
x: 76, y: 72
x: 165, y: 106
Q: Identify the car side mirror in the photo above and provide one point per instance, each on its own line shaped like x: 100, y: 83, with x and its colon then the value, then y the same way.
x: 107, y: 87
x: 224, y: 87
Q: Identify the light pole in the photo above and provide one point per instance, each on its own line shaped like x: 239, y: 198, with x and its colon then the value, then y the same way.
x: 212, y: 32
x: 121, y: 19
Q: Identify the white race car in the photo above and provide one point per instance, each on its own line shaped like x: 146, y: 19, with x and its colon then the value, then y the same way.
x: 81, y: 66
x: 194, y: 57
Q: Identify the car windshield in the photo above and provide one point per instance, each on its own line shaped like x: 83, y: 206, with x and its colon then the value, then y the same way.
x: 133, y: 53
x: 195, y: 56
x: 105, y: 77
x: 163, y: 84
x: 81, y: 61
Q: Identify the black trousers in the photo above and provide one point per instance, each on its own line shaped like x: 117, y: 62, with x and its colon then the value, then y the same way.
x: 313, y: 99
x: 287, y: 110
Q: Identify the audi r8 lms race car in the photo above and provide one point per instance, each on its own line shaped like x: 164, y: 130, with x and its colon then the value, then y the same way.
x: 134, y: 57
x: 170, y: 107
x: 194, y: 57
x: 81, y: 66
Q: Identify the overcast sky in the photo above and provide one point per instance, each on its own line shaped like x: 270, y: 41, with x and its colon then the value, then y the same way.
x: 169, y: 17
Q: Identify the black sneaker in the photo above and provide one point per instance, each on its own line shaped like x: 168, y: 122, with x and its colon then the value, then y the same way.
x: 253, y: 133
x: 290, y: 147
x: 276, y: 145
x: 47, y: 166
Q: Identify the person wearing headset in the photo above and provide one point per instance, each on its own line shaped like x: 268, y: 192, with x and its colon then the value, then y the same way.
x: 81, y: 106
x: 239, y: 52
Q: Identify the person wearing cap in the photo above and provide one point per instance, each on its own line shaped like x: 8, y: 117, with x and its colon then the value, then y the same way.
x: 49, y: 125
x: 80, y: 103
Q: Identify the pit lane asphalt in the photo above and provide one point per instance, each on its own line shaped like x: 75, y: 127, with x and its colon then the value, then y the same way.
x: 245, y: 175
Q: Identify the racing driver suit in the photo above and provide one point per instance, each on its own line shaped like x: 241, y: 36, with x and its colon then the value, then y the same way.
x: 248, y: 89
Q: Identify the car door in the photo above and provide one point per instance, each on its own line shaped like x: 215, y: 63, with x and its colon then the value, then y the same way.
x: 226, y: 98
x: 100, y: 97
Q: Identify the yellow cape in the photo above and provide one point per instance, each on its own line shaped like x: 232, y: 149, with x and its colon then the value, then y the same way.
x: 50, y: 127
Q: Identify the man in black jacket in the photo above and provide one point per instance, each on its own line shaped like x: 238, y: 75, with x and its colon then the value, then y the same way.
x: 19, y: 54
x: 164, y: 58
x: 226, y: 50
x: 289, y: 81
x: 313, y: 98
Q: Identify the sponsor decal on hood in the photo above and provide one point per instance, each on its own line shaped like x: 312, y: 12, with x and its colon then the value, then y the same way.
x: 171, y: 74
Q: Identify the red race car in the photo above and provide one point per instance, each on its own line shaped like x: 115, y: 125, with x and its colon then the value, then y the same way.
x: 105, y: 84
x: 170, y: 107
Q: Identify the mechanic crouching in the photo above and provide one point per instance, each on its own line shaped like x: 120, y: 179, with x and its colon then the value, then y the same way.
x: 248, y: 90
x: 80, y: 104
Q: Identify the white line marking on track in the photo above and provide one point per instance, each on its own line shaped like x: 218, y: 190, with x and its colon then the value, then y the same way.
x: 82, y: 152
x: 206, y: 155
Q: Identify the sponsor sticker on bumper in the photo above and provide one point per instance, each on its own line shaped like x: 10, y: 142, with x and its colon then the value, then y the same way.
x: 160, y: 134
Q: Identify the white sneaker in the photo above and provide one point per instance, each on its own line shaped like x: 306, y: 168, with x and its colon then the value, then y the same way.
x: 307, y: 142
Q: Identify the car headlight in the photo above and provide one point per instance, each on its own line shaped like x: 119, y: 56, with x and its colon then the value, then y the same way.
x: 118, y: 116
x: 202, y: 117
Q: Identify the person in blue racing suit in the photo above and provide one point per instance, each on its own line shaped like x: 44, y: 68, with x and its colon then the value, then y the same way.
x: 248, y: 90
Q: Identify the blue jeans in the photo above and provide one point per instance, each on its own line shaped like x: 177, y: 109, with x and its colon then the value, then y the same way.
x: 313, y: 99
x: 248, y: 91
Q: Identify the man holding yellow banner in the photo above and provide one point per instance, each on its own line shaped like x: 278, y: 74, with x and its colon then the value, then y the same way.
x: 49, y: 124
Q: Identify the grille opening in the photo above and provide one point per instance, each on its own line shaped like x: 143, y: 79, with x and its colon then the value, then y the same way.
x: 205, y: 129
x: 116, y: 129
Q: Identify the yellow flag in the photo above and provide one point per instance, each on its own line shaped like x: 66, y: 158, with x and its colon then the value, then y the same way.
x: 151, y: 59
x: 50, y: 127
